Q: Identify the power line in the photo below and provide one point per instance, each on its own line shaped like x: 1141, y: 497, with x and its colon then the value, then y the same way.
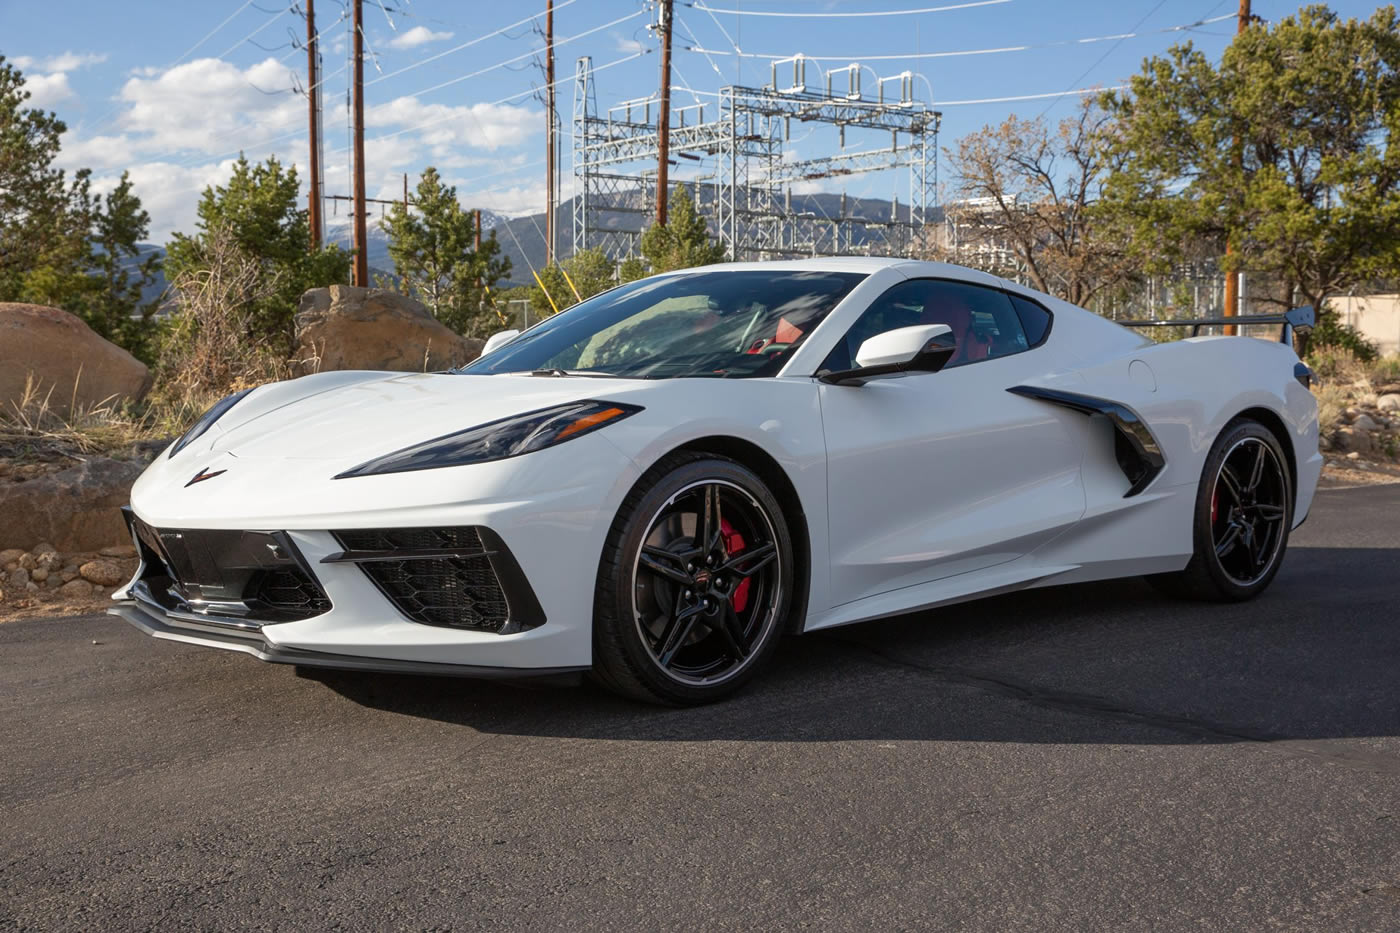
x: 950, y: 54
x: 209, y: 35
x: 499, y: 100
x: 826, y: 15
x: 250, y: 35
x: 511, y: 61
x: 1002, y: 100
x: 432, y: 58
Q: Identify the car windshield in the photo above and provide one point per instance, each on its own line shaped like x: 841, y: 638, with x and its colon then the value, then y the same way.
x: 736, y: 324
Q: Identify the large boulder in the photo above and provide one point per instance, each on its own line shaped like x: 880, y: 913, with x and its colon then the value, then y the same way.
x: 77, y: 509
x: 343, y: 327
x: 65, y: 358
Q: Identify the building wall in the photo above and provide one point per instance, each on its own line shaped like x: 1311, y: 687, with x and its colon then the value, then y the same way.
x: 1376, y: 317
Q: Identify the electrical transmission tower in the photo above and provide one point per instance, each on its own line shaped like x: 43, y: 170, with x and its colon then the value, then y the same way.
x: 749, y: 195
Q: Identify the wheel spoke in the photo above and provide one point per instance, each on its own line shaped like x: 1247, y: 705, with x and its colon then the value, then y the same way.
x: 713, y: 538
x: 1258, y: 546
x: 677, y: 631
x: 732, y: 632
x: 1227, y: 544
x: 666, y: 564
x: 1256, y: 472
x: 1231, y: 484
x: 1269, y: 513
x: 755, y: 558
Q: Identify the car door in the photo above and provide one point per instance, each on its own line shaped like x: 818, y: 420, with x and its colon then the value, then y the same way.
x: 935, y: 474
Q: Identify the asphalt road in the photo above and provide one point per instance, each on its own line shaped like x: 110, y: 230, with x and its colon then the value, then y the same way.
x: 1080, y: 758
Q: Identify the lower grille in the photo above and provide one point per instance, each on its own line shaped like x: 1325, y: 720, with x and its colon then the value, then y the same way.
x: 244, y: 576
x: 449, y: 577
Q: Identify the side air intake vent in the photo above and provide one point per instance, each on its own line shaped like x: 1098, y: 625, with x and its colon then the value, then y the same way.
x: 457, y: 577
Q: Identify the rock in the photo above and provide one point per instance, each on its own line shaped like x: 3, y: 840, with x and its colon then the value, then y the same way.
x: 342, y: 327
x: 28, y: 561
x: 102, y: 572
x: 75, y: 588
x: 18, y: 578
x: 119, y: 550
x: 79, y: 509
x: 9, y: 556
x: 1389, y: 402
x: 1353, y: 456
x: 12, y: 565
x: 1352, y: 440
x: 65, y: 357
x: 31, y: 587
x: 43, y: 547
x: 39, y: 574
x: 67, y: 575
x: 1365, y: 422
x: 2, y: 596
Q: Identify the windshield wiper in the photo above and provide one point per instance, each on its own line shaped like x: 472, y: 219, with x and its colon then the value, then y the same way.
x: 568, y: 372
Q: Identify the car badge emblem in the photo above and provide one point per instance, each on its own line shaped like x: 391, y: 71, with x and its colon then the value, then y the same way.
x: 204, y: 474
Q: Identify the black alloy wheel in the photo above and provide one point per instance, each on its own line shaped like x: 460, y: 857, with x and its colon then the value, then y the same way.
x: 1244, y: 511
x: 694, y: 583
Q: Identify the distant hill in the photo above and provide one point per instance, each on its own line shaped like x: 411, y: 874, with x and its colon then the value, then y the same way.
x: 522, y: 238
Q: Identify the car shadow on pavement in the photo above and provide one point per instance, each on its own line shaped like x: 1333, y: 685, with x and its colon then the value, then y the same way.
x: 1115, y: 662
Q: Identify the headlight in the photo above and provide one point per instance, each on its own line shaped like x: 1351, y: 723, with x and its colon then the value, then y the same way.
x: 509, y: 437
x: 206, y: 420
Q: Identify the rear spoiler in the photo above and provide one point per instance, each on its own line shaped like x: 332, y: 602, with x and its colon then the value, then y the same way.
x: 1299, y: 319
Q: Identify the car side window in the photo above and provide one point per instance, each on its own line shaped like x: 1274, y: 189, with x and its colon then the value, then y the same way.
x: 1035, y: 320
x: 984, y: 322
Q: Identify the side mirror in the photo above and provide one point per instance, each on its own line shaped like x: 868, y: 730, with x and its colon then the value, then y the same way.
x: 925, y: 348
x: 499, y: 339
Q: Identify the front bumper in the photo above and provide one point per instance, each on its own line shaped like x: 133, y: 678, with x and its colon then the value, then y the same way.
x: 170, y: 627
x: 550, y: 510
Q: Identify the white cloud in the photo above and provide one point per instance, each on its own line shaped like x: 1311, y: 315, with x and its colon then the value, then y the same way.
x: 631, y: 46
x: 66, y: 61
x: 445, y: 128
x: 418, y: 35
x: 211, y: 106
x: 513, y: 202
x: 71, y: 61
x: 169, y: 192
x: 47, y: 90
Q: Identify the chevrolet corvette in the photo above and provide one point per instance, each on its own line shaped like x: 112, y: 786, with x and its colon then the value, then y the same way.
x: 659, y: 483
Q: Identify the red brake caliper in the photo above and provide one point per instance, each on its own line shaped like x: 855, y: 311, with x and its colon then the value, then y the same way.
x: 734, y: 544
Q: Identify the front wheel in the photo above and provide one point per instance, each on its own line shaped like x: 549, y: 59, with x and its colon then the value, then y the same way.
x: 1244, y: 510
x: 694, y: 584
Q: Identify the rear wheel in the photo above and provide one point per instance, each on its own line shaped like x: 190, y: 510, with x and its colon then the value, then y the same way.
x: 694, y: 583
x: 1244, y: 510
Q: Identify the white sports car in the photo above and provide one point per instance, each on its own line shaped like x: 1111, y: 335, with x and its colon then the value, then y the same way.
x: 660, y: 482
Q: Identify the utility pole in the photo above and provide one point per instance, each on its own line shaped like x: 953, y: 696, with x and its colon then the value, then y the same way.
x: 361, y: 246
x: 1232, y: 279
x: 551, y: 168
x: 663, y: 119
x: 313, y: 97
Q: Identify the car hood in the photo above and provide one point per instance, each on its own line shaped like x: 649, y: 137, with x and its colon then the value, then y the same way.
x: 381, y: 413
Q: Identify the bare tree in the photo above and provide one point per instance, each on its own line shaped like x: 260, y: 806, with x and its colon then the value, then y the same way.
x: 1024, y: 201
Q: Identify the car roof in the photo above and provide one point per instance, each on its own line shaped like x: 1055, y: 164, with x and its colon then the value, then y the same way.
x: 911, y: 268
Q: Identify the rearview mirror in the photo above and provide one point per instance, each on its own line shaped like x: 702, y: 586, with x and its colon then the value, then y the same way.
x: 499, y: 339
x: 924, y: 348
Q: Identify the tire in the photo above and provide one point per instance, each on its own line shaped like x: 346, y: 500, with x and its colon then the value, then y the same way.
x: 670, y: 627
x: 1243, y: 515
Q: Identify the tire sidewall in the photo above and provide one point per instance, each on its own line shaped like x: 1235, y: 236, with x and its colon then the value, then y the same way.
x: 1204, y: 539
x: 629, y: 530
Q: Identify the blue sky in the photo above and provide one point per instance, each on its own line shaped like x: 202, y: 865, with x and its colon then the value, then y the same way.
x: 173, y: 96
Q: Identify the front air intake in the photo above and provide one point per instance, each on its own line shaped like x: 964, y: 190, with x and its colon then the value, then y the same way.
x: 456, y: 577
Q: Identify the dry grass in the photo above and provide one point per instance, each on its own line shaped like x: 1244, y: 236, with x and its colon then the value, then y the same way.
x: 33, y: 427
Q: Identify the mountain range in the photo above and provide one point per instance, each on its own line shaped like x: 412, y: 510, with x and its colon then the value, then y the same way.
x: 522, y: 238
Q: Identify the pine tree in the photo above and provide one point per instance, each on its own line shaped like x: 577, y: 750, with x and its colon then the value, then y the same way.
x: 432, y: 246
x: 113, y: 305
x: 259, y: 209
x: 683, y: 241
x: 44, y: 215
x: 1288, y: 148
